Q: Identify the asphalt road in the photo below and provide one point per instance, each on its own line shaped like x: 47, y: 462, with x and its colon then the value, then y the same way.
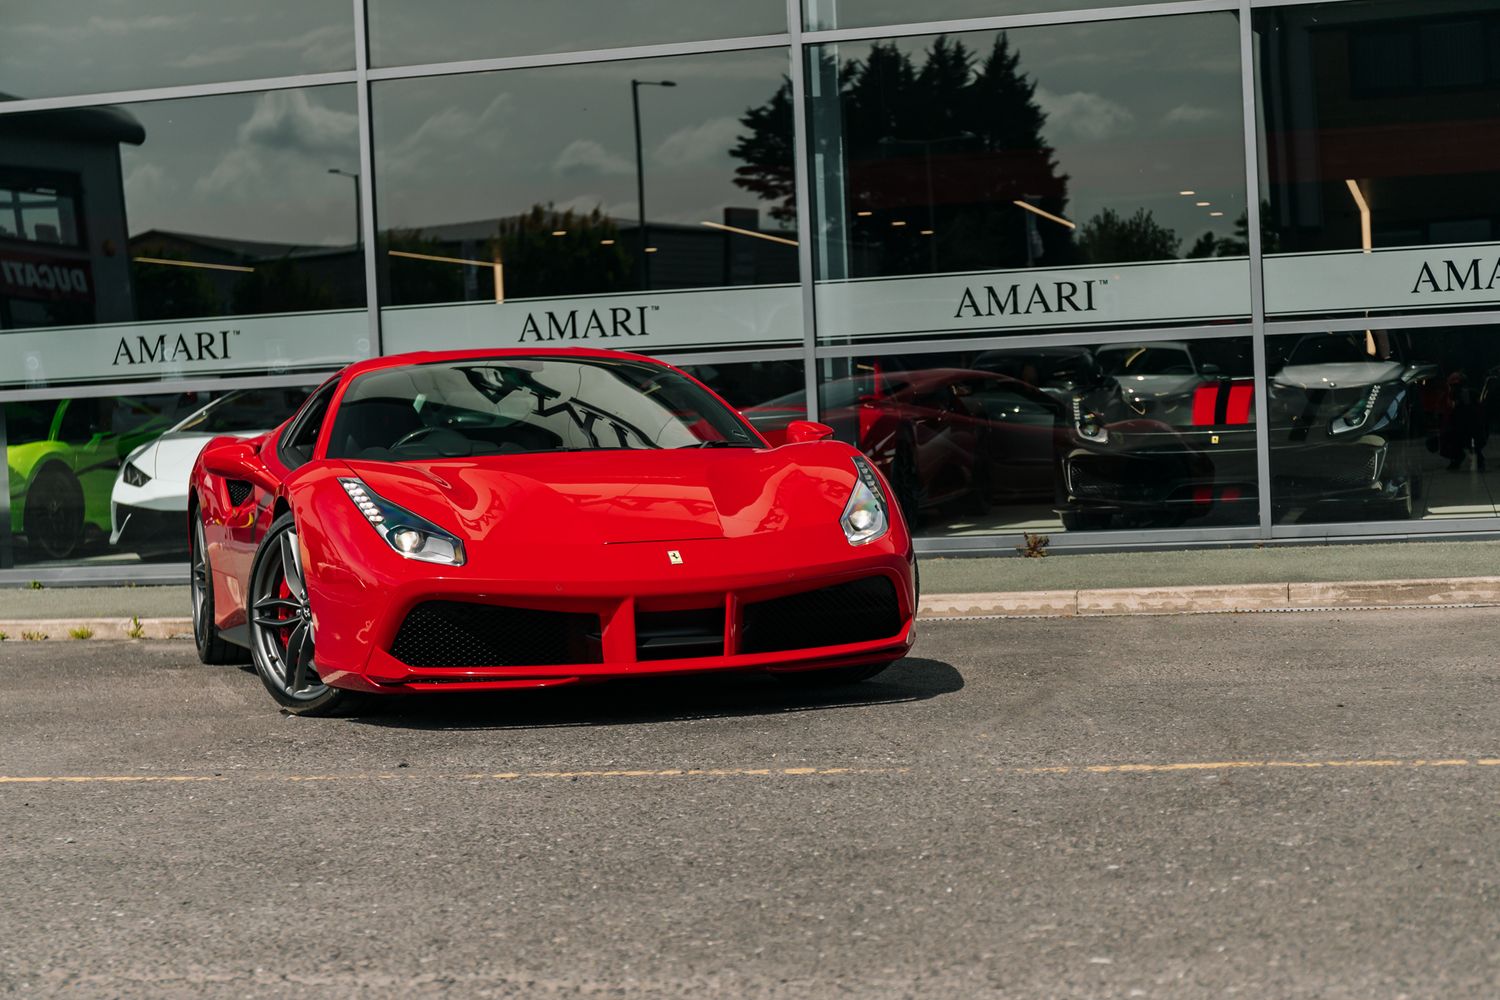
x: 1009, y: 814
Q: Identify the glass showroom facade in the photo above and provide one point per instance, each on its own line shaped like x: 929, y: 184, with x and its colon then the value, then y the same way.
x: 1148, y: 274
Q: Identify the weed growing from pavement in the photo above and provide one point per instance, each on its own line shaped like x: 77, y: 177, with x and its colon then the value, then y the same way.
x: 33, y: 636
x: 81, y: 632
x: 1035, y: 547
x: 135, y: 631
x: 3, y: 637
x: 35, y: 585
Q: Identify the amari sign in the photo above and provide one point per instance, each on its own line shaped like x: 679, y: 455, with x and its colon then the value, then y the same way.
x: 1000, y: 302
x: 1383, y: 280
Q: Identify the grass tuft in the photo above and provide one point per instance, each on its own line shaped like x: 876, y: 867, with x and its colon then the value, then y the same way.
x: 135, y: 631
x: 81, y: 632
x: 33, y: 636
x: 1035, y: 547
x: 36, y: 585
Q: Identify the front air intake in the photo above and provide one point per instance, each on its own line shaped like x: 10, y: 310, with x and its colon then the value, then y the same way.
x: 858, y: 611
x: 467, y: 634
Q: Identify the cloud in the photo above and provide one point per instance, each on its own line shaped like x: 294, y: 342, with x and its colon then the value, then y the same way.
x: 145, y: 183
x: 452, y: 136
x: 588, y: 156
x: 287, y: 120
x: 1192, y: 114
x: 696, y: 144
x: 1083, y: 116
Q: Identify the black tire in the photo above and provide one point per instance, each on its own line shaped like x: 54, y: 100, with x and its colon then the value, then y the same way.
x: 211, y: 648
x: 831, y: 677
x: 53, y: 518
x: 281, y: 628
x: 906, y: 481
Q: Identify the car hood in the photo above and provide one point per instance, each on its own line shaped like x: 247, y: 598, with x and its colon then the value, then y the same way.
x: 1340, y: 375
x: 1158, y: 385
x: 621, y: 496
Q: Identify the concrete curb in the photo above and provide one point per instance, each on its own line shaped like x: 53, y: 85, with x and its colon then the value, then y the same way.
x: 1216, y: 599
x: 1484, y: 590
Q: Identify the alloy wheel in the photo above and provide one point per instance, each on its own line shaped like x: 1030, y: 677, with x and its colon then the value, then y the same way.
x: 281, y: 622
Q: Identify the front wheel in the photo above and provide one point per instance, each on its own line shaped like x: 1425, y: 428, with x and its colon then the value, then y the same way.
x: 282, y: 627
x: 53, y: 517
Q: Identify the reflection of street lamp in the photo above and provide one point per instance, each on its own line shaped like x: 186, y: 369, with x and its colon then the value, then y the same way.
x: 927, y: 144
x: 358, y: 224
x: 640, y: 171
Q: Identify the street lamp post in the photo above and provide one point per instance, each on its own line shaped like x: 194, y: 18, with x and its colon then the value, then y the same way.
x: 640, y: 173
x: 359, y: 225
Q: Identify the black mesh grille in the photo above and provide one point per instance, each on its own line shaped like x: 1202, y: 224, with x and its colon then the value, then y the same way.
x: 676, y: 635
x: 464, y: 634
x: 860, y: 611
x: 239, y: 491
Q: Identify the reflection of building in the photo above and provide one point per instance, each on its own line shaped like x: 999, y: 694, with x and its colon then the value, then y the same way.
x: 63, y: 255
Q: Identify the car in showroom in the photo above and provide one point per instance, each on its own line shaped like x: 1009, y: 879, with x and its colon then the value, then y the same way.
x: 1345, y: 427
x: 461, y: 521
x: 62, y: 458
x: 941, y: 435
x: 148, y: 504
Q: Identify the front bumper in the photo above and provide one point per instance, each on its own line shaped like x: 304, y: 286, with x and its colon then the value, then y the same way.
x: 625, y: 588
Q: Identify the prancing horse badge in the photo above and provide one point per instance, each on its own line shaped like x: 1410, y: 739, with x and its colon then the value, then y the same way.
x: 674, y: 557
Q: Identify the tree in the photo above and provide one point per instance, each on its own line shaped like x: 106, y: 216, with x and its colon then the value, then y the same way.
x: 166, y: 292
x: 945, y: 149
x: 1238, y: 245
x: 588, y: 259
x: 1107, y: 238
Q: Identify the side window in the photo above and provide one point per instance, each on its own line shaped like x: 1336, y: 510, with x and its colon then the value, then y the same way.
x: 80, y: 422
x: 297, y: 443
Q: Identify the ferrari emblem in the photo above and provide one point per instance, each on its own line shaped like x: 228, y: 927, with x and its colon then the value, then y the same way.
x: 674, y: 557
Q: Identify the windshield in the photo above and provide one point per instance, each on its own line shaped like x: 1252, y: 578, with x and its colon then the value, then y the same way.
x: 244, y: 410
x: 1333, y: 348
x: 1146, y: 359
x: 506, y: 406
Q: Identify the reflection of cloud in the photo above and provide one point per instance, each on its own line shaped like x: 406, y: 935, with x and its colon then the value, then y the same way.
x: 586, y: 155
x: 318, y: 48
x: 1191, y: 114
x: 1082, y: 115
x: 451, y: 136
x: 286, y: 137
x: 287, y: 120
x: 146, y: 182
x: 699, y: 143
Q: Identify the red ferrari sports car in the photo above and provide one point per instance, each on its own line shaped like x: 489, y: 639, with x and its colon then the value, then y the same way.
x: 493, y: 519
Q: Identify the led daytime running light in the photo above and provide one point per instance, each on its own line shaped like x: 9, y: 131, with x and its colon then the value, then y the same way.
x: 409, y: 535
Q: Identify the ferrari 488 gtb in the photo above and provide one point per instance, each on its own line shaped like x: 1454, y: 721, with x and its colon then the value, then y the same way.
x: 479, y: 520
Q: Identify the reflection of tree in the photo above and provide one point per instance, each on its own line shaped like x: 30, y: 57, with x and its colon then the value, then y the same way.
x: 588, y: 259
x: 1238, y: 245
x: 166, y: 292
x: 947, y: 146
x: 1108, y: 237
x: 280, y: 286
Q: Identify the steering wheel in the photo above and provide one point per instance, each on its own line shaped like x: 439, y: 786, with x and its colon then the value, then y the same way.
x: 461, y: 446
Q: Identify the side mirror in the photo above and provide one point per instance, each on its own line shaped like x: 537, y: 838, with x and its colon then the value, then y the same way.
x: 238, y: 460
x: 804, y: 431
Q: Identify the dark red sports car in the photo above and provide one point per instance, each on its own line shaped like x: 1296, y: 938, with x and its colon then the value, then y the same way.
x: 466, y: 520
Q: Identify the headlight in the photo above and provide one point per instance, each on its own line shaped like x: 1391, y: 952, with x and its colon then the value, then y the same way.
x: 134, y: 476
x: 865, y: 517
x: 1090, y: 425
x: 411, y: 536
x: 1358, y: 415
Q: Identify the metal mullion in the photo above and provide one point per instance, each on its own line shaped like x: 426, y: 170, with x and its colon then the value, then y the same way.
x: 1004, y: 21
x: 802, y: 187
x: 941, y: 345
x: 367, y: 178
x: 578, y: 58
x: 1395, y: 321
x: 173, y: 93
x: 1251, y: 139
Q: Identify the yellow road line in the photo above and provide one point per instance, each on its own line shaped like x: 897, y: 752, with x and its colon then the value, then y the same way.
x: 755, y: 772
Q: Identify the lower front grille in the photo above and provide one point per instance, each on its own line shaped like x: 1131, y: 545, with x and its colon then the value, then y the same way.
x: 677, y: 635
x: 859, y: 611
x: 465, y: 634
